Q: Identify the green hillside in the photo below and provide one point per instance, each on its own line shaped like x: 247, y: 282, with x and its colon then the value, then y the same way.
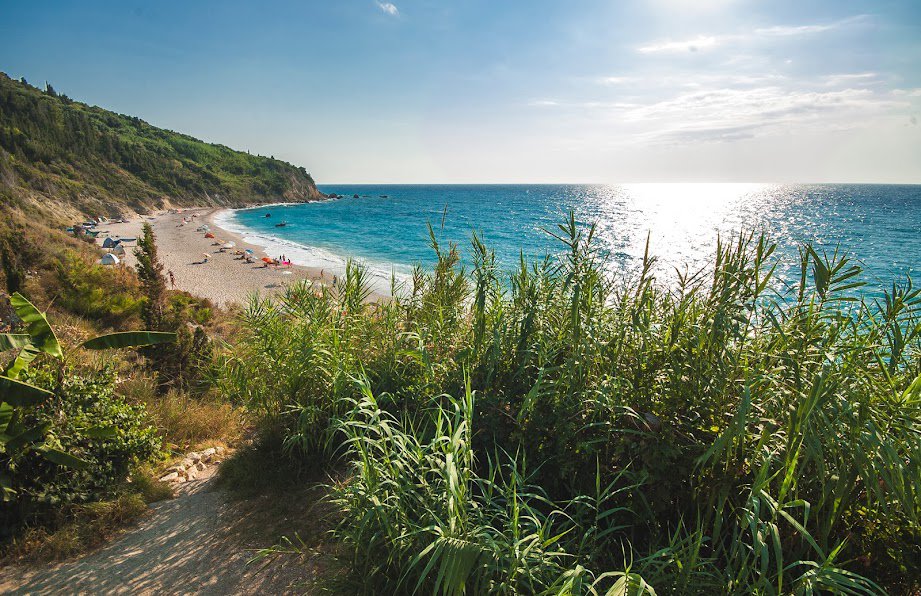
x: 59, y: 154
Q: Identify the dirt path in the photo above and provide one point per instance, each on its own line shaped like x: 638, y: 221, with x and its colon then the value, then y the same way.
x: 196, y: 543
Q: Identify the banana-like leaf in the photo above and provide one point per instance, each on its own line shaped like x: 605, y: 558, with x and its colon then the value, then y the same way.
x: 43, y: 336
x: 23, y: 359
x: 128, y: 339
x: 23, y: 439
x: 67, y: 460
x: 17, y: 393
x: 6, y: 414
x: 14, y: 341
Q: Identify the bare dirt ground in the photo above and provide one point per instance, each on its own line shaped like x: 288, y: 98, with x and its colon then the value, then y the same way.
x: 197, y: 543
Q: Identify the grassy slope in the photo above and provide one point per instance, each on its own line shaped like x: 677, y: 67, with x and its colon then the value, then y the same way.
x: 61, y: 157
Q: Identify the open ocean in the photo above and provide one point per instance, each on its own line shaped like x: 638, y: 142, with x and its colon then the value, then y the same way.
x: 386, y: 226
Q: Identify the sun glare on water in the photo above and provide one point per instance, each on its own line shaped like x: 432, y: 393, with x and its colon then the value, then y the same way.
x: 681, y: 220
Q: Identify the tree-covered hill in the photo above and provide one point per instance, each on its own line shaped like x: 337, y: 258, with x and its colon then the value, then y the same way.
x: 60, y: 154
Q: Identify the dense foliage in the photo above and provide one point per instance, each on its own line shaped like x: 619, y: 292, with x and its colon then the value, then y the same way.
x: 84, y: 403
x: 64, y: 436
x: 184, y: 363
x: 100, y: 162
x: 562, y: 432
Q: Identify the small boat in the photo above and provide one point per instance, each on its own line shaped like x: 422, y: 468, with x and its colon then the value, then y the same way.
x: 281, y: 225
x: 384, y: 197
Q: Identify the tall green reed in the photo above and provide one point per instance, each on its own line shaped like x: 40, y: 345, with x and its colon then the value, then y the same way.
x: 766, y: 434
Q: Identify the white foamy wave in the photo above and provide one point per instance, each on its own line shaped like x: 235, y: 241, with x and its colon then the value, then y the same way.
x: 381, y: 274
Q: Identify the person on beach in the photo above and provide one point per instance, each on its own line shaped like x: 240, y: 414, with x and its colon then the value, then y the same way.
x: 172, y: 279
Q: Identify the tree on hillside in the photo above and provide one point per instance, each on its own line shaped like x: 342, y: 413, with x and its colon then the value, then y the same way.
x: 150, y: 272
x: 181, y: 364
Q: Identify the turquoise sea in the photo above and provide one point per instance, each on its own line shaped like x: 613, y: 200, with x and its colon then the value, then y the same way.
x: 386, y: 226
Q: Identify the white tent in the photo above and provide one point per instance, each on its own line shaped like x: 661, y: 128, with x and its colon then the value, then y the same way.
x: 109, y: 259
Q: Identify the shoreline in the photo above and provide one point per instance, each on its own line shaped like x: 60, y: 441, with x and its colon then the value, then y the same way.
x: 223, y: 278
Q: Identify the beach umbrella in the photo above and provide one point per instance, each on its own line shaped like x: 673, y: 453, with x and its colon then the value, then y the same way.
x: 268, y: 260
x: 249, y: 250
x: 230, y: 245
x: 209, y: 235
x: 206, y: 255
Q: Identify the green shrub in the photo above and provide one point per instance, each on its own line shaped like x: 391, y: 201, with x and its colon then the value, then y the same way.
x: 110, y: 295
x: 85, y: 400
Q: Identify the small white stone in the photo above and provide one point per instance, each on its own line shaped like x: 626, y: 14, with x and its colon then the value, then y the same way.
x: 171, y: 477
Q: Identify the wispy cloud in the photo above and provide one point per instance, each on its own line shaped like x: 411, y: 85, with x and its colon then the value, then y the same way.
x: 687, y: 45
x: 704, y: 42
x: 789, y: 31
x: 724, y: 114
x: 388, y: 8
x: 614, y: 80
x: 852, y: 78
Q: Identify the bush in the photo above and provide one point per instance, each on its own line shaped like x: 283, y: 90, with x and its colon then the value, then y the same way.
x: 87, y: 420
x: 109, y: 295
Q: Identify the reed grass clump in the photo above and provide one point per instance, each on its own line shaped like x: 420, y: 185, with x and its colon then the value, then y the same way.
x: 556, y: 430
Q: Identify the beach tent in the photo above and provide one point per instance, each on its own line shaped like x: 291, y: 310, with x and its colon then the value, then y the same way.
x: 109, y: 259
x: 229, y: 245
x: 209, y: 235
x: 110, y: 243
x: 118, y: 250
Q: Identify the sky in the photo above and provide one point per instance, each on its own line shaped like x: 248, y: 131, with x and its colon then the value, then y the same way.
x: 468, y: 91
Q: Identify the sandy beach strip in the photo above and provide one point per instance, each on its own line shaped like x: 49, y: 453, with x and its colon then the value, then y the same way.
x: 224, y: 278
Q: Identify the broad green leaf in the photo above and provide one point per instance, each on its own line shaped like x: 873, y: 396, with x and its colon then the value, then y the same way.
x: 101, y: 432
x: 43, y: 336
x: 23, y: 439
x: 6, y: 414
x: 128, y: 339
x: 67, y: 460
x: 17, y: 393
x: 25, y: 357
x: 14, y: 341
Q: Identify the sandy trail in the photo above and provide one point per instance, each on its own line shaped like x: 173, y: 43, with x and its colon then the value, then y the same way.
x: 196, y: 543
